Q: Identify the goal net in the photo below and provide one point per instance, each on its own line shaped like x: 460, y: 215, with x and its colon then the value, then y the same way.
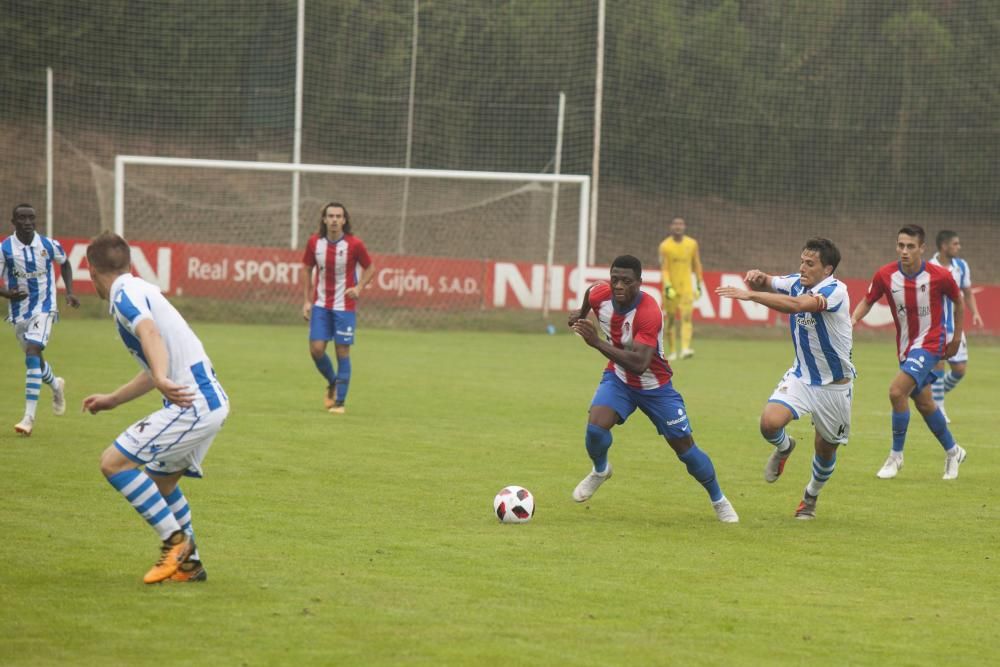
x: 475, y: 248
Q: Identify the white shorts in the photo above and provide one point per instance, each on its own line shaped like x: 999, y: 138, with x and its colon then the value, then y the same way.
x: 173, y: 439
x: 829, y: 405
x: 962, y: 355
x: 35, y: 329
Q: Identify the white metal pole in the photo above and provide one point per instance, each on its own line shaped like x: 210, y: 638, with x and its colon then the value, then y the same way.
x: 598, y: 104
x: 393, y: 172
x: 409, y: 125
x: 120, y: 195
x: 297, y: 138
x: 49, y: 150
x: 554, y: 208
x: 581, y: 244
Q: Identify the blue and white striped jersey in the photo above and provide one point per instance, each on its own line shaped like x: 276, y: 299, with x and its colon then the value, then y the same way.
x: 134, y: 300
x: 30, y: 267
x: 822, y: 340
x: 960, y: 272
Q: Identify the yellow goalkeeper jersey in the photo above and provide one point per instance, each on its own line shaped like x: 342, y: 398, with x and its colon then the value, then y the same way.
x: 678, y: 260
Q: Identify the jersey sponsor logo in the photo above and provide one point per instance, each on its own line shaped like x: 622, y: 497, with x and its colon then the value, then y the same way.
x: 30, y: 275
x: 805, y: 320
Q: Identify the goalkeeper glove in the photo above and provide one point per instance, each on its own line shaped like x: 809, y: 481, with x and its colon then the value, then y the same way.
x: 669, y: 293
x: 697, y: 291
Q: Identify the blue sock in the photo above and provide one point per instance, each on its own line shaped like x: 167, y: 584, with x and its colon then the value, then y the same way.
x: 779, y: 439
x: 140, y: 491
x: 325, y: 368
x: 598, y: 443
x: 822, y: 470
x: 32, y: 384
x: 900, y: 422
x: 700, y: 467
x: 939, y: 427
x: 937, y: 391
x: 343, y: 377
x: 951, y: 379
x: 182, y: 512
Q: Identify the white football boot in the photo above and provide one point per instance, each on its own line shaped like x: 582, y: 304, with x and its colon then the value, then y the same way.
x: 589, y: 484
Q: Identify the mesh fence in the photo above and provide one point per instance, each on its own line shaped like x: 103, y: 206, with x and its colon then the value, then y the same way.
x: 763, y: 122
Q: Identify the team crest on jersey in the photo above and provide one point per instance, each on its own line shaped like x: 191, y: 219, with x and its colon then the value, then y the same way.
x: 923, y: 288
x: 627, y: 328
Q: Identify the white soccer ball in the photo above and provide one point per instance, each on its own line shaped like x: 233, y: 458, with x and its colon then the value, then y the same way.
x: 514, y: 504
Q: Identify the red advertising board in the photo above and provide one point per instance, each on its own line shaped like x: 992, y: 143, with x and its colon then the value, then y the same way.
x: 274, y: 274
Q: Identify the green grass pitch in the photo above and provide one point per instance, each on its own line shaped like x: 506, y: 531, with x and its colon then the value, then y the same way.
x: 369, y: 538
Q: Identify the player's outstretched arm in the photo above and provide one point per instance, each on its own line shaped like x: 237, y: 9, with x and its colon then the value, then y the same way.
x: 158, y: 361
x: 804, y: 303
x: 860, y: 311
x: 758, y: 281
x: 138, y: 386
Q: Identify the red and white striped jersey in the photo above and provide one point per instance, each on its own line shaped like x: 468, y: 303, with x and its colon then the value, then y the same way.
x: 642, y: 324
x: 337, y: 263
x: 917, y: 303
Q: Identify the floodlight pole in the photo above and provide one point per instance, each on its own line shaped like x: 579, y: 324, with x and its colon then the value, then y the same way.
x: 554, y: 208
x: 297, y: 137
x: 49, y: 151
x: 409, y: 125
x: 598, y: 104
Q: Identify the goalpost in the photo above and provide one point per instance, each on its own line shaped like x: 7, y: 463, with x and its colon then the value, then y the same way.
x: 454, y: 215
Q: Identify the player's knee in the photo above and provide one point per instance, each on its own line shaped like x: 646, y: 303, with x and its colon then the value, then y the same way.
x: 113, y: 462
x: 770, y: 425
x: 898, y: 393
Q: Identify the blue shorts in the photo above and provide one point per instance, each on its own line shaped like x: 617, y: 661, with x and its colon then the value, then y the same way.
x: 664, y: 406
x: 919, y: 365
x: 335, y: 325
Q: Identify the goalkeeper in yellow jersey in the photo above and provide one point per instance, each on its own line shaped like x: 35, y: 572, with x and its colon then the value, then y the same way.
x: 679, y: 259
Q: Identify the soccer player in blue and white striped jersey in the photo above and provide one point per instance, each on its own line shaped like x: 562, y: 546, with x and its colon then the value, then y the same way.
x: 148, y: 459
x: 949, y: 247
x: 821, y: 380
x: 27, y: 261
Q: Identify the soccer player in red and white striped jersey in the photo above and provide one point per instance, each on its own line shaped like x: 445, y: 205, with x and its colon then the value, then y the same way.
x: 331, y: 259
x: 915, y: 291
x: 637, y: 376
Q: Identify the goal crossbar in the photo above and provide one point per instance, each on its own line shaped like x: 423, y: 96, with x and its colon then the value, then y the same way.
x: 583, y: 222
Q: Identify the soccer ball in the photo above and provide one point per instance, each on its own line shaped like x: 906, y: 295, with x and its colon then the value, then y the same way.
x: 514, y: 504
